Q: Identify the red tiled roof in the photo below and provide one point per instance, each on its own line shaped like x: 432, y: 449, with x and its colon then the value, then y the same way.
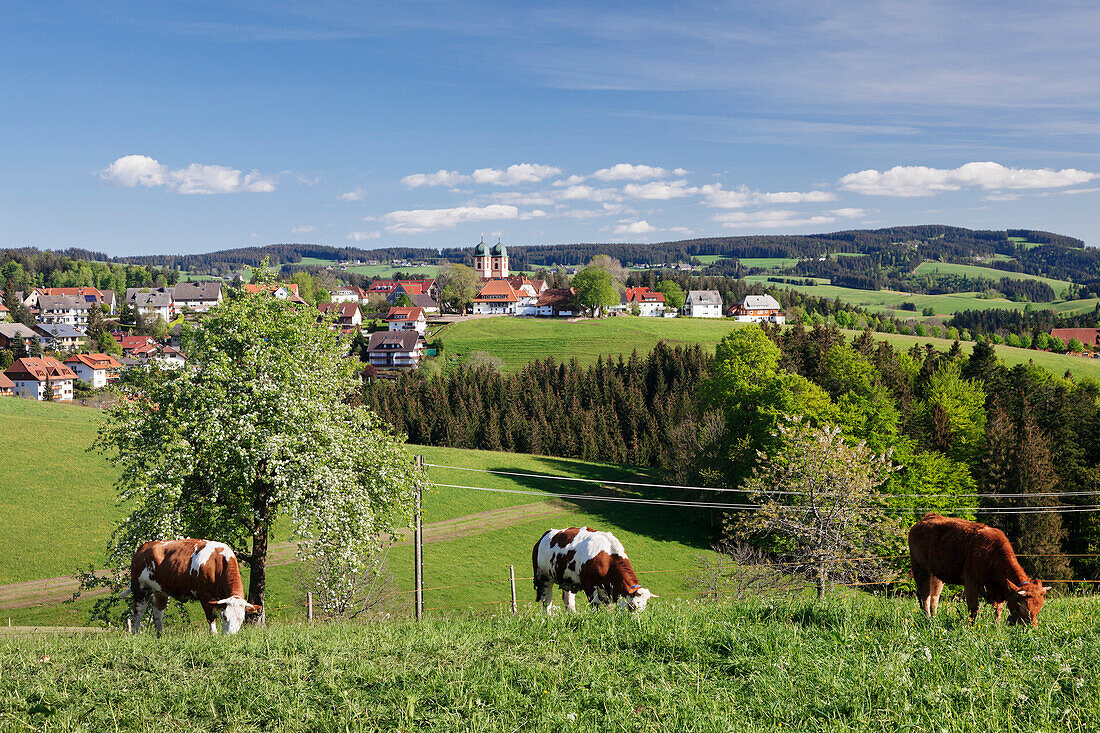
x: 405, y: 314
x: 497, y: 288
x: 95, y: 361
x: 1087, y: 336
x: 253, y: 289
x: 44, y: 368
x: 6, y: 383
x: 133, y: 342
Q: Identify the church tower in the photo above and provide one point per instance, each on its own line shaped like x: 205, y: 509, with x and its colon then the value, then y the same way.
x: 491, y: 263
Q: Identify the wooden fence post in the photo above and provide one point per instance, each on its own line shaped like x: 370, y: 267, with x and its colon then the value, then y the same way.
x: 512, y: 579
x: 309, y: 606
x: 418, y: 549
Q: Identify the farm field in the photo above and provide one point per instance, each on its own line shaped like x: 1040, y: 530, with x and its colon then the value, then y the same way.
x: 517, y: 341
x: 374, y: 270
x: 761, y: 664
x: 774, y: 263
x: 53, y: 538
x: 952, y: 268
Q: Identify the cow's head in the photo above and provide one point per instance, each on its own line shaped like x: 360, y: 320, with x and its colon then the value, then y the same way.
x: 635, y: 599
x: 1025, y: 601
x: 233, y: 610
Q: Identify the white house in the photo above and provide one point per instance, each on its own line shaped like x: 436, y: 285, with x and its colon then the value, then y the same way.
x: 155, y: 302
x: 395, y: 349
x: 650, y: 302
x: 758, y: 309
x: 703, y: 304
x: 64, y: 310
x: 94, y: 369
x: 407, y: 319
x: 497, y: 297
x: 32, y: 377
x: 197, y: 296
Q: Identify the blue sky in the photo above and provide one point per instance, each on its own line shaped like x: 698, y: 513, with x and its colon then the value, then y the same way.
x: 188, y: 127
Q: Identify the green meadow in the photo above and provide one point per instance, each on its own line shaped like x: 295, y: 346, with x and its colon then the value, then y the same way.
x: 951, y: 268
x: 851, y: 663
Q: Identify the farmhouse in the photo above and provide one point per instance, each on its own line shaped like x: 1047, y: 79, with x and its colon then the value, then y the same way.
x: 1090, y: 337
x: 11, y: 333
x: 32, y: 377
x: 347, y: 316
x: 758, y: 309
x: 197, y: 296
x: 57, y: 337
x: 407, y: 319
x: 94, y: 369
x: 556, y: 302
x: 650, y: 303
x: 395, y: 349
x: 152, y: 302
x: 703, y: 304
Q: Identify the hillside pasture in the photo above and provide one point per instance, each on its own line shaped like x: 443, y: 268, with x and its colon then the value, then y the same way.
x: 770, y: 263
x: 849, y: 663
x: 953, y: 268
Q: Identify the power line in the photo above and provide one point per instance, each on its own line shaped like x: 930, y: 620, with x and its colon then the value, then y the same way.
x: 1061, y: 509
x: 720, y: 490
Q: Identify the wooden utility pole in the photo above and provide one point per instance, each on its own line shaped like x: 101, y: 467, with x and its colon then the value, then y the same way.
x: 418, y: 548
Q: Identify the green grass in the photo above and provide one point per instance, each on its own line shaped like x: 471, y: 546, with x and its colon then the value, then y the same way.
x: 387, y: 271
x: 710, y: 259
x: 850, y: 663
x: 952, y: 268
x: 519, y: 341
x: 1023, y: 241
x: 772, y: 263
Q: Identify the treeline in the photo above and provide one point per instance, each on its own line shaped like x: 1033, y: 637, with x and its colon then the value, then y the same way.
x: 634, y: 410
x: 1030, y: 322
x: 26, y: 268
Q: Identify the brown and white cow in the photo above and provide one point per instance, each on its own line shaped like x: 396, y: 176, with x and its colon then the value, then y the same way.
x: 582, y: 559
x: 947, y: 550
x: 188, y: 570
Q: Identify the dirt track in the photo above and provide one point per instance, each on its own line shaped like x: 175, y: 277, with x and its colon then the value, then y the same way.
x: 55, y: 590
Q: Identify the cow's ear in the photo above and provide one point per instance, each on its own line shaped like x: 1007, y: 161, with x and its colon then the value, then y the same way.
x: 1045, y: 588
x: 249, y: 608
x: 222, y: 603
x: 1011, y: 585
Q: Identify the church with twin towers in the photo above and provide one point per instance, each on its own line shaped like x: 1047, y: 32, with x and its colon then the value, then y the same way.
x: 491, y: 262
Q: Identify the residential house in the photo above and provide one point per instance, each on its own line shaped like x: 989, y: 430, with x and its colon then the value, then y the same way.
x: 349, y: 294
x: 557, y: 302
x: 346, y: 316
x: 758, y: 309
x: 703, y: 304
x: 7, y: 387
x: 94, y: 369
x: 129, y: 343
x: 650, y: 303
x: 5, y: 313
x: 58, y: 337
x: 287, y: 291
x: 497, y: 297
x: 31, y: 378
x: 395, y: 349
x: 166, y: 356
x: 66, y: 310
x: 10, y: 333
x: 407, y: 319
x: 426, y: 303
x: 1090, y: 337
x: 198, y: 297
x: 152, y: 302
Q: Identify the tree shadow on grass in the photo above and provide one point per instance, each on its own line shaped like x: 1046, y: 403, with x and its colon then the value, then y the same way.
x: 686, y: 525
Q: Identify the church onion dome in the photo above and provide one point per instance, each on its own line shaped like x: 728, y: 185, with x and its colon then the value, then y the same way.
x: 481, y: 249
x: 499, y: 250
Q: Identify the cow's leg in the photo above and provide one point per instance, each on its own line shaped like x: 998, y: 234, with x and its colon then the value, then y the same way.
x: 973, y: 600
x: 998, y: 608
x: 569, y: 600
x: 211, y: 618
x: 138, y: 613
x: 922, y: 578
x: 935, y: 588
x: 160, y: 603
x: 544, y: 593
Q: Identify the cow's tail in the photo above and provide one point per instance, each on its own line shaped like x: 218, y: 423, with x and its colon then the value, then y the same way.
x: 535, y: 564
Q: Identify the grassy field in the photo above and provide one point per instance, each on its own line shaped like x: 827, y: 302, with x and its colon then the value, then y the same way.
x: 383, y: 271
x: 63, y: 519
x: 773, y: 263
x: 517, y: 341
x: 849, y: 663
x: 952, y: 268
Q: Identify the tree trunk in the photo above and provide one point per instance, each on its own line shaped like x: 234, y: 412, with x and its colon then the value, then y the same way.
x: 257, y: 577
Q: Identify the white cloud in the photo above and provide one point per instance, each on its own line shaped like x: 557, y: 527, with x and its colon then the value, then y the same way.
x: 357, y: 194
x: 680, y: 230
x: 572, y: 180
x: 634, y: 227
x: 515, y: 174
x: 918, y: 180
x: 520, y: 198
x: 629, y: 172
x: 773, y: 219
x: 360, y: 236
x: 441, y: 177
x: 141, y: 170
x: 723, y: 198
x: 660, y: 190
x: 416, y: 221
x: 847, y: 213
x: 302, y: 229
x: 532, y: 214
x: 589, y: 193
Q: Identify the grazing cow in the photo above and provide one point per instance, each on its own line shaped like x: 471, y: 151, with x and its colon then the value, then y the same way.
x: 581, y: 559
x: 188, y: 570
x: 946, y: 550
